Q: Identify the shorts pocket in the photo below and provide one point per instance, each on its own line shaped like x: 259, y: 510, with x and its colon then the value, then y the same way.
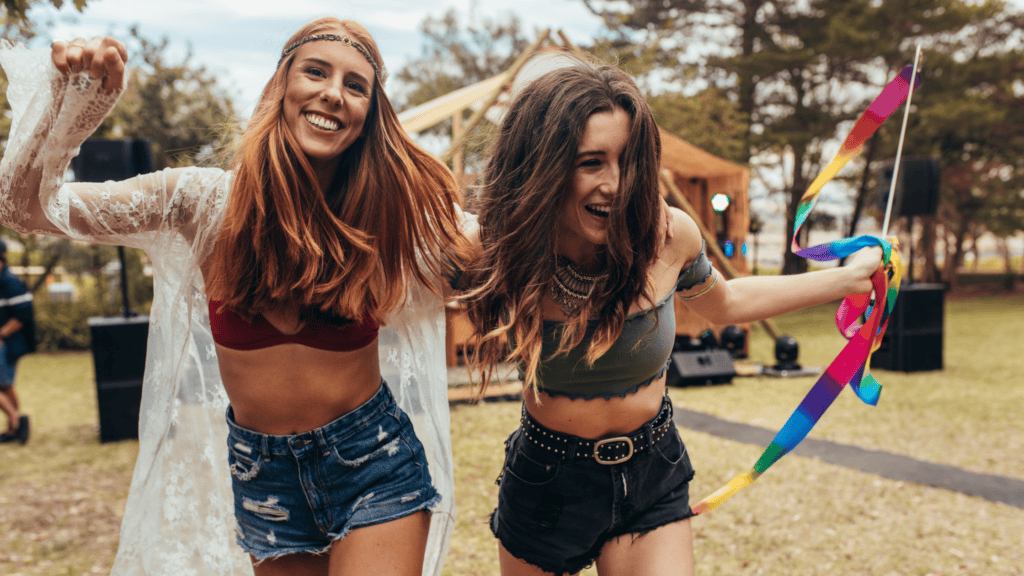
x: 354, y: 453
x: 244, y: 460
x: 671, y: 448
x: 531, y: 470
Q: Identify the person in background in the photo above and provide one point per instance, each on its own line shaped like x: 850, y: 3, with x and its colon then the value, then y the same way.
x: 16, y: 340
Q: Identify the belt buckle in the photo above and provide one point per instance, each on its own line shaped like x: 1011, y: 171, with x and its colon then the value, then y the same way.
x: 599, y: 443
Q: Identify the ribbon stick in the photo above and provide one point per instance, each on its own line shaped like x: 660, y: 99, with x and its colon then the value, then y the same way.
x: 852, y: 364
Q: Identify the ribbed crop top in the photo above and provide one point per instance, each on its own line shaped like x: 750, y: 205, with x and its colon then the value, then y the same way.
x: 232, y: 331
x: 638, y: 356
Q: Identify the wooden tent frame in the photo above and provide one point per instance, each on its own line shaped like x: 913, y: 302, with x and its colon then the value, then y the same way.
x: 690, y: 178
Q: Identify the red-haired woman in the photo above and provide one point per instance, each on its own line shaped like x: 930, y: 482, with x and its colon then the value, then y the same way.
x: 273, y: 283
x: 578, y: 274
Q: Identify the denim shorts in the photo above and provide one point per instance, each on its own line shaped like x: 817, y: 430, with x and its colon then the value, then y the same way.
x: 7, y: 369
x: 300, y: 493
x: 558, y: 504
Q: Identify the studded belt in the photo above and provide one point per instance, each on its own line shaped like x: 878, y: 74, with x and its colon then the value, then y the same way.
x: 604, y: 451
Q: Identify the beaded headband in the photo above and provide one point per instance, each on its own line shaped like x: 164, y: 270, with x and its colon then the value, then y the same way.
x: 345, y: 40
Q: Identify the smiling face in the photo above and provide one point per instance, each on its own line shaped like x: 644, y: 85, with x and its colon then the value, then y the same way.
x: 583, y: 221
x: 328, y: 95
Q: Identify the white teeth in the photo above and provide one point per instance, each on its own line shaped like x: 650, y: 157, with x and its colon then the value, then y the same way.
x: 321, y: 122
x: 602, y: 211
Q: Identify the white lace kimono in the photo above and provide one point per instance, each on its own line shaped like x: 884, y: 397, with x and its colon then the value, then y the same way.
x: 179, y: 518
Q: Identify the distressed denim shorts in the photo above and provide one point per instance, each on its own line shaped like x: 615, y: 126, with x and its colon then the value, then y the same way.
x: 558, y: 504
x: 300, y: 493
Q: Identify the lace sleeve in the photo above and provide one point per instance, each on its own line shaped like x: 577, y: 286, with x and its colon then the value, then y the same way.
x: 51, y: 116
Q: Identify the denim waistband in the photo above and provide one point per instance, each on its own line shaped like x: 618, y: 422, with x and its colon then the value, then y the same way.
x: 338, y: 429
x: 612, y: 450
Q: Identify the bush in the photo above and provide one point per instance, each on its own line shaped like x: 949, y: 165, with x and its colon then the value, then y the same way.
x: 64, y: 325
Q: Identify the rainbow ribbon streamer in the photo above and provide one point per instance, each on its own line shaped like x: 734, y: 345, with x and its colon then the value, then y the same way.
x: 852, y: 363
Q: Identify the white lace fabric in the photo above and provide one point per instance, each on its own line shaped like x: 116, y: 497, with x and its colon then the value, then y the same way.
x: 179, y: 517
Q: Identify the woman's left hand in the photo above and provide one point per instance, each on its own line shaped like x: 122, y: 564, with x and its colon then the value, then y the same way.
x: 861, y: 266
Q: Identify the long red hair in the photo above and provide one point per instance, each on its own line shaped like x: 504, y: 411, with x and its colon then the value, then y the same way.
x: 387, y: 219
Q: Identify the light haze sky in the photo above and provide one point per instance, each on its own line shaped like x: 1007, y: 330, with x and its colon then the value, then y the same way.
x: 242, y: 39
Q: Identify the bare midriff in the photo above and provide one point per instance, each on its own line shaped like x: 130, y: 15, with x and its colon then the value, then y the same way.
x: 597, y: 418
x: 291, y: 388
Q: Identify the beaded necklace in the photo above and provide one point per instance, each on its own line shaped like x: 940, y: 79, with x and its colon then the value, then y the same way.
x: 572, y: 287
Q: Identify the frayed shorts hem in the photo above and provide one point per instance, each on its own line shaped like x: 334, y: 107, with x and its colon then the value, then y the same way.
x: 525, y: 557
x: 335, y: 537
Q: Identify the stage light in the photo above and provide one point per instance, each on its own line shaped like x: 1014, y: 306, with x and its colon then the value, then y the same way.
x: 708, y: 340
x: 786, y: 352
x: 734, y: 339
x: 720, y: 202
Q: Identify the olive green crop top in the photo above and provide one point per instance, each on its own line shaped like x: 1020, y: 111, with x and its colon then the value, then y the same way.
x: 638, y: 356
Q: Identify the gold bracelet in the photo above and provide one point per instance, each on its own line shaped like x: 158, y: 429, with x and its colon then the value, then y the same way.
x: 706, y: 288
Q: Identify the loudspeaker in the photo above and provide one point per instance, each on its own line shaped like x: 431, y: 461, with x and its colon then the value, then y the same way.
x: 700, y: 367
x: 100, y: 159
x: 119, y: 361
x: 917, y: 187
x: 914, y: 338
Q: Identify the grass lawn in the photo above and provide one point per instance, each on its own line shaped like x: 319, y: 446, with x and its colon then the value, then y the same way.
x: 62, y: 496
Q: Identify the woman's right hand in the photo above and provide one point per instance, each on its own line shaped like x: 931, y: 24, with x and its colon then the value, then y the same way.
x: 102, y: 57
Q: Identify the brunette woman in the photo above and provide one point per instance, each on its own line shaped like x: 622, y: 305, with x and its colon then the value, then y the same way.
x: 577, y: 277
x: 273, y: 282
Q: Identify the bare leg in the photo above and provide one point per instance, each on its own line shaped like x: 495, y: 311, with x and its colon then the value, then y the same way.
x: 665, y: 551
x: 12, y: 395
x: 10, y: 407
x: 512, y: 566
x: 293, y: 564
x: 394, y: 548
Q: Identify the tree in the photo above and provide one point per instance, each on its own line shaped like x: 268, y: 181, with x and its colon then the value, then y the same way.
x: 794, y: 66
x: 179, y: 107
x: 457, y: 55
x: 709, y: 120
x: 14, y: 16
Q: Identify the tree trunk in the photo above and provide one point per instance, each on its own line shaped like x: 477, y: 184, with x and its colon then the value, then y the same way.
x: 791, y: 263
x: 1004, y: 247
x: 746, y: 77
x: 958, y: 253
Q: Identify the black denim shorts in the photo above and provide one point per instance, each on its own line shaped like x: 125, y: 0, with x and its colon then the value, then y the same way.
x: 558, y: 505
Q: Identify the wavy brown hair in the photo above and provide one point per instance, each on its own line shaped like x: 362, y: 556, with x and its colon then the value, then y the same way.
x: 527, y: 181
x: 386, y: 219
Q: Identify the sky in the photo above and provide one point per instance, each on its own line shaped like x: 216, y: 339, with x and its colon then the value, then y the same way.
x: 242, y: 39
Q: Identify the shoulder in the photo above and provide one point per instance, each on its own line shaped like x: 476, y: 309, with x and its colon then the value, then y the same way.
x: 684, y: 243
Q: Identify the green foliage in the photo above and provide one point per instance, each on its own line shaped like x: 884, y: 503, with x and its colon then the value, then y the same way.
x: 14, y: 16
x: 180, y: 107
x: 64, y: 325
x: 455, y: 55
x: 800, y: 69
x: 708, y: 120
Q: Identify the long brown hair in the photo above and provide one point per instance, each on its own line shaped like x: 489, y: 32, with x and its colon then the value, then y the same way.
x: 526, y: 184
x: 387, y: 218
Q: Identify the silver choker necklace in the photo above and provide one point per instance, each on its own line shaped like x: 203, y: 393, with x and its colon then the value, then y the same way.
x: 572, y: 287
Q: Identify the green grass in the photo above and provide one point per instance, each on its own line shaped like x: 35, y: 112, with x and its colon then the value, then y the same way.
x: 62, y: 495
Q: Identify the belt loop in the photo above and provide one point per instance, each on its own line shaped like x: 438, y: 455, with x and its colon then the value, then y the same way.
x: 570, y: 452
x: 265, y: 447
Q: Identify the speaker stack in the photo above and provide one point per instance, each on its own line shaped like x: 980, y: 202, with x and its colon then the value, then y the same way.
x: 118, y: 343
x: 119, y: 359
x: 917, y: 187
x: 913, y: 341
